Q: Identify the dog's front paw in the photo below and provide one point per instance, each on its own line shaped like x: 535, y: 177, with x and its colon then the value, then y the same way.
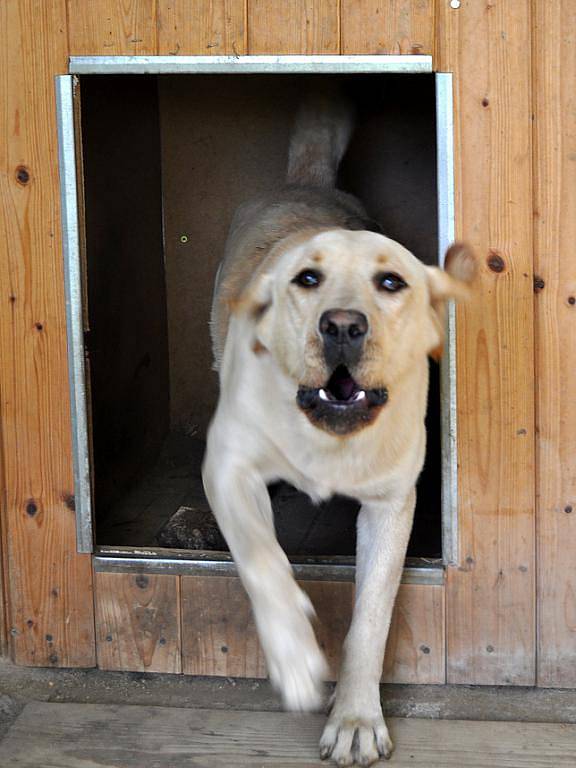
x: 350, y: 739
x: 296, y: 665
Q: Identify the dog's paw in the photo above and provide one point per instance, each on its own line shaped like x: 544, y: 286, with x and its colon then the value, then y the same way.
x: 355, y: 740
x: 297, y: 669
x: 296, y: 665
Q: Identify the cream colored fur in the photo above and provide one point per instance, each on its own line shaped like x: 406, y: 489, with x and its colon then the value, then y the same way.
x: 267, y: 344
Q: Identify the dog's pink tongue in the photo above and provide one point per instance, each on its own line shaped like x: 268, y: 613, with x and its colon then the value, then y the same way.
x: 346, y: 388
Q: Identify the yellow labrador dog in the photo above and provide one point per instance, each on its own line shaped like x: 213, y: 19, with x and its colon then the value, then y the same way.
x: 321, y: 333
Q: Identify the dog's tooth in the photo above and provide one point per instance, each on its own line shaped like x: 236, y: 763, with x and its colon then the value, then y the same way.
x: 322, y: 394
x: 359, y: 396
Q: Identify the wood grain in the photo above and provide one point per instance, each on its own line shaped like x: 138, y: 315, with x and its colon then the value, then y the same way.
x: 49, y: 584
x: 219, y: 634
x: 387, y: 26
x: 491, y: 596
x: 138, y: 622
x: 416, y: 651
x: 218, y: 630
x: 4, y: 620
x: 554, y: 56
x: 112, y: 27
x: 293, y: 26
x: 201, y: 27
x: 70, y: 736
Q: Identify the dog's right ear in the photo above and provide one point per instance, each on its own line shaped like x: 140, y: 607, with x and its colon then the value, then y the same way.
x: 452, y: 282
x: 255, y: 299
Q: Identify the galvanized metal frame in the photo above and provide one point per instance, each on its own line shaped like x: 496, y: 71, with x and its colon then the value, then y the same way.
x: 278, y: 65
x: 202, y: 563
x: 65, y: 85
x: 446, y: 219
x: 87, y: 65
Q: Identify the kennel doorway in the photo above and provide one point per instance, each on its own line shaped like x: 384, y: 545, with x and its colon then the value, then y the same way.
x: 163, y: 159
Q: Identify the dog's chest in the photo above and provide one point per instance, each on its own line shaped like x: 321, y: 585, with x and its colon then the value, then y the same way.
x: 321, y: 472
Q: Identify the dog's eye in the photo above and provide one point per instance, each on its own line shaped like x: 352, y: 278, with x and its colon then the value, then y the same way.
x: 308, y: 278
x: 390, y: 281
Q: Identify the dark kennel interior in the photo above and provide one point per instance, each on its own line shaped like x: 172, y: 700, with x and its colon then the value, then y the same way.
x: 166, y: 160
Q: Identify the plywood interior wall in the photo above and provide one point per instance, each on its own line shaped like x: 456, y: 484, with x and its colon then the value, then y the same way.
x: 127, y: 340
x: 512, y: 61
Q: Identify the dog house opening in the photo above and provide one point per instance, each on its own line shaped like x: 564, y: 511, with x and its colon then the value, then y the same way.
x: 166, y: 161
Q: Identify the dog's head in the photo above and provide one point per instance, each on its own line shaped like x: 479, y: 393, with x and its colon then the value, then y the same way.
x: 346, y: 314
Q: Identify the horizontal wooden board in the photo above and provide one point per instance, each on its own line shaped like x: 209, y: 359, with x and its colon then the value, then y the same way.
x: 138, y: 622
x: 71, y: 735
x: 219, y: 635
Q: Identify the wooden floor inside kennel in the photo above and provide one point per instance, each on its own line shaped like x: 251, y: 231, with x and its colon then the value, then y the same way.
x: 507, y: 605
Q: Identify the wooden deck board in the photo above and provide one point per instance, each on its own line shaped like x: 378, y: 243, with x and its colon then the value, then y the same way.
x: 105, y: 736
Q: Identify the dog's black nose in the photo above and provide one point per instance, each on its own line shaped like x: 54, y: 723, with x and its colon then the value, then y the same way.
x: 343, y: 332
x: 344, y: 326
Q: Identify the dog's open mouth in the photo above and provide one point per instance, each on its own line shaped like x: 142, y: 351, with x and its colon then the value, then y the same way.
x: 341, y: 392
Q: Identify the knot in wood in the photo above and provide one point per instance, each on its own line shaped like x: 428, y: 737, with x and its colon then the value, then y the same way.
x: 142, y: 581
x: 495, y: 262
x: 22, y: 175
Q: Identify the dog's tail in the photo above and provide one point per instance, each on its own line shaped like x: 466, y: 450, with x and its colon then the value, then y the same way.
x: 320, y: 136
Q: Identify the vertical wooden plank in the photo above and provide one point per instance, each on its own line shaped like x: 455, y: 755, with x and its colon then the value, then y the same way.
x: 201, y: 27
x: 416, y: 651
x: 138, y: 622
x: 491, y: 596
x: 554, y: 236
x: 218, y: 629
x: 387, y: 26
x: 49, y: 584
x: 333, y: 602
x: 293, y: 26
x: 4, y: 646
x: 219, y: 634
x: 112, y: 27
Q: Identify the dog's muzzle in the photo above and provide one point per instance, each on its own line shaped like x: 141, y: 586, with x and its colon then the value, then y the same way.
x: 341, y: 406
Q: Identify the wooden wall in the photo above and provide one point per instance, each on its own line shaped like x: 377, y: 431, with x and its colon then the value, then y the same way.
x: 513, y: 62
x: 554, y: 55
x: 203, y: 625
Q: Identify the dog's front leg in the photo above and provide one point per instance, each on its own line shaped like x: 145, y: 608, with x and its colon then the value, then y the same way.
x: 356, y: 731
x: 241, y: 504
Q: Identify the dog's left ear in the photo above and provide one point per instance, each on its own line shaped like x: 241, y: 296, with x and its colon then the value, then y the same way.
x: 256, y: 298
x: 452, y: 282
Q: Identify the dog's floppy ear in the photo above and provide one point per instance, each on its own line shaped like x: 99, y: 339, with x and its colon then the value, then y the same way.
x: 256, y: 297
x: 452, y: 282
x: 460, y: 269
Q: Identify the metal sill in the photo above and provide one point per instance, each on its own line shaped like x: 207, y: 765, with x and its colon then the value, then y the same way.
x: 181, y: 562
